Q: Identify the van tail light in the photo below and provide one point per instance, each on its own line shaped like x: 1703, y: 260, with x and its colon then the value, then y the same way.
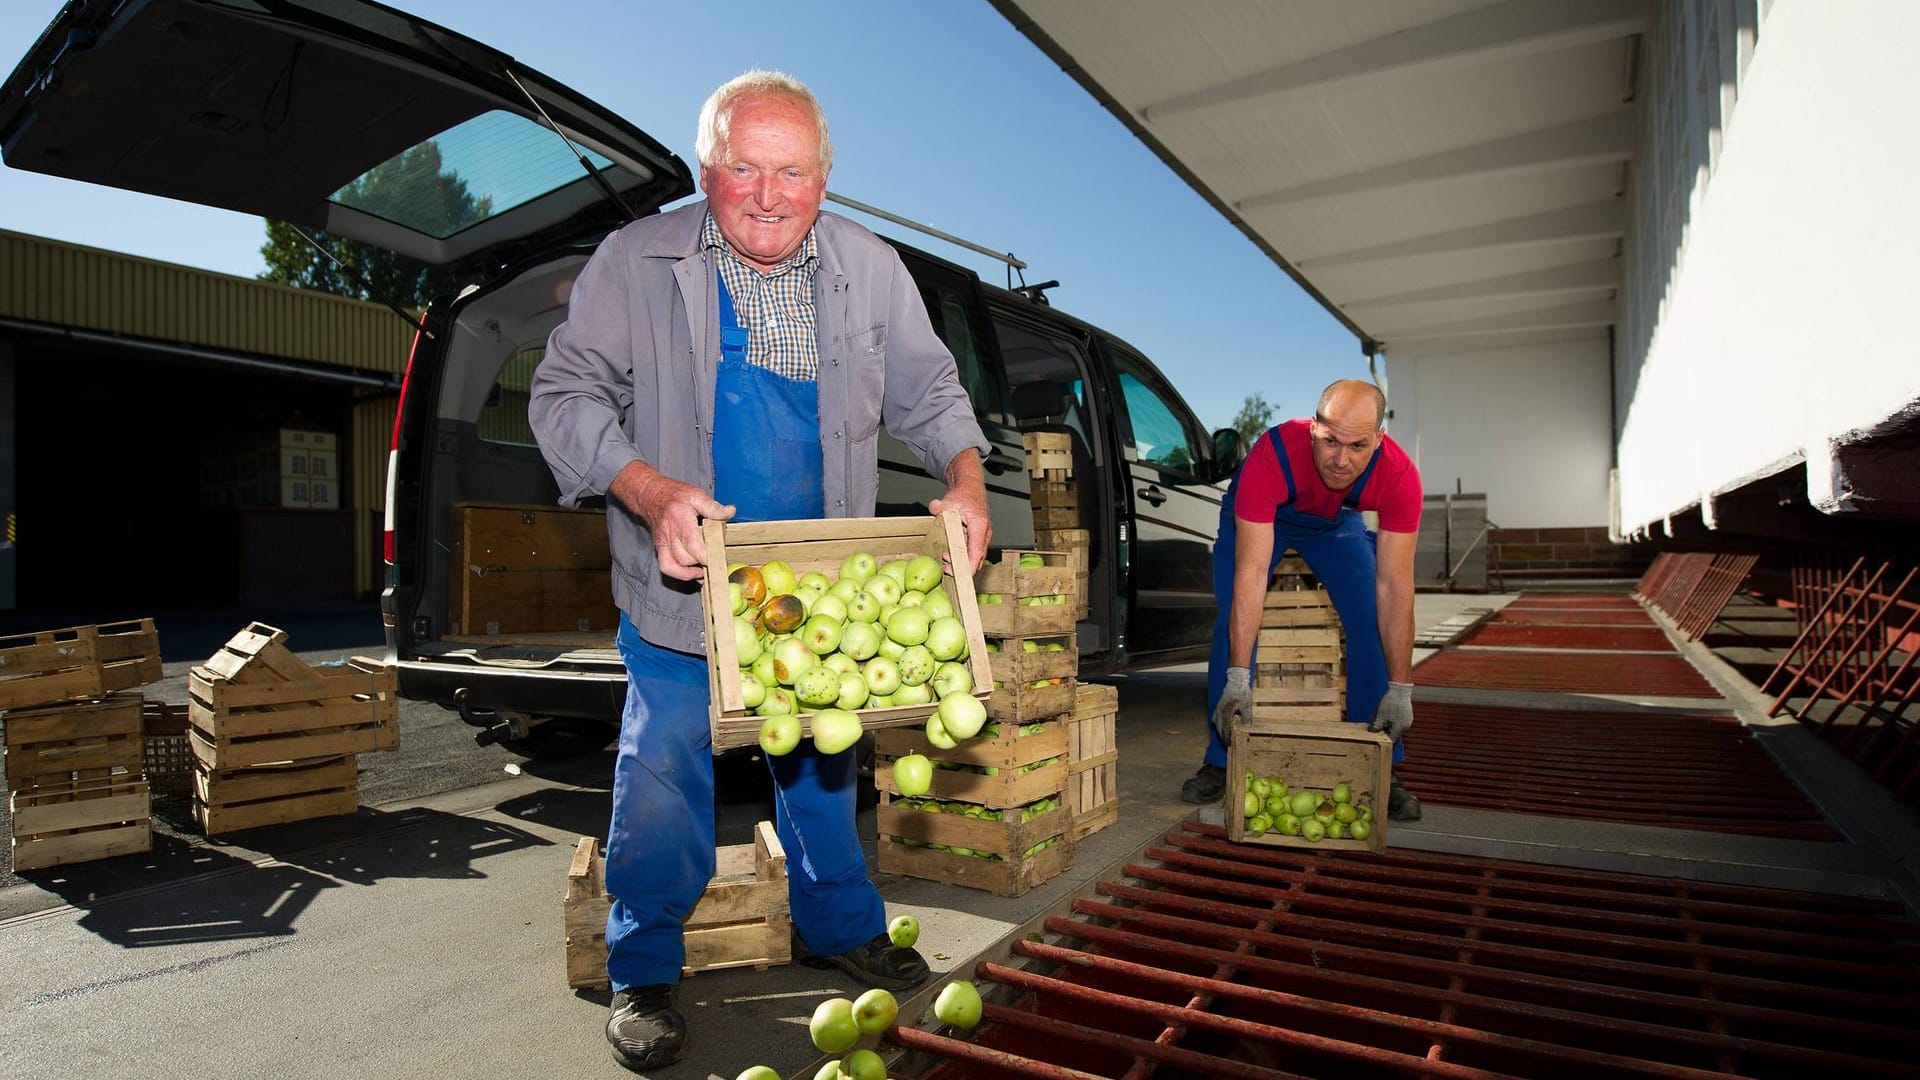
x: 393, y: 449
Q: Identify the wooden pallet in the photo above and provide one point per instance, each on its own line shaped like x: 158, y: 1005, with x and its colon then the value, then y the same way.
x: 77, y: 663
x: 1008, y: 583
x: 822, y: 546
x: 1093, y: 759
x: 229, y: 800
x: 79, y: 821
x: 325, y: 714
x: 742, y: 919
x: 1049, y: 455
x: 54, y: 745
x: 1313, y: 755
x: 1005, y: 751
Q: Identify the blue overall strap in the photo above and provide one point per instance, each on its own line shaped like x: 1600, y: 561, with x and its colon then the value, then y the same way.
x: 1353, y: 493
x: 733, y: 336
x: 1286, y: 466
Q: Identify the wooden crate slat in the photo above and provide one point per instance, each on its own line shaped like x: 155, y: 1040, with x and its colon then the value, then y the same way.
x: 1007, y: 750
x: 118, y: 714
x: 716, y: 948
x: 41, y: 852
x: 997, y: 792
x: 226, y: 787
x: 1000, y: 877
x: 330, y: 742
x: 1006, y: 838
x: 1021, y: 704
x: 215, y: 820
x: 32, y: 815
x: 1017, y: 666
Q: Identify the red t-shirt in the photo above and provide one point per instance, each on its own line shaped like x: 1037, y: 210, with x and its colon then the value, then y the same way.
x: 1393, y: 489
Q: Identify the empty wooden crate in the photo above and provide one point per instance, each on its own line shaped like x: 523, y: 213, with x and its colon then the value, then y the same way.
x: 1093, y: 759
x: 77, y: 664
x: 80, y: 820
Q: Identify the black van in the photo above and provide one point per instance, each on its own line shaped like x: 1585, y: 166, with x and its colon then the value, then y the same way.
x: 354, y: 118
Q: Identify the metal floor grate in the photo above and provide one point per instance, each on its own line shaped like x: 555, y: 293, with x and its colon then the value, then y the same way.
x: 1547, y: 636
x: 1569, y: 673
x: 1568, y: 617
x: 1675, y: 770
x: 1212, y: 959
x: 1576, y: 600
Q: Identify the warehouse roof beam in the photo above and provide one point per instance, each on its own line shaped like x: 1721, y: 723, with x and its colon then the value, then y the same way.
x: 1599, y: 275
x: 1594, y: 221
x: 1501, y: 32
x: 1591, y: 314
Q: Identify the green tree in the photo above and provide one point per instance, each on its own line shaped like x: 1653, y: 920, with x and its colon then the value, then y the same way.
x: 412, y: 189
x: 1253, y: 419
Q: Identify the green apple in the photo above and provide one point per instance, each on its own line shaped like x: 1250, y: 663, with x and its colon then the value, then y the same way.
x: 858, y: 568
x: 937, y: 733
x: 1360, y: 830
x: 918, y: 694
x: 736, y: 597
x: 1253, y: 804
x: 778, y: 702
x: 829, y: 1071
x: 832, y: 1026
x: 913, y: 775
x: 939, y: 605
x: 753, y: 585
x: 1313, y: 829
x: 903, y: 931
x: 757, y: 1072
x: 864, y: 1064
x: 779, y: 577
x: 1258, y: 824
x: 958, y: 1004
x: 947, y: 638
x: 762, y: 668
x: 817, y: 686
x: 875, y: 1011
x: 864, y: 607
x: 780, y: 734
x: 895, y: 569
x: 882, y: 675
x: 922, y: 573
x: 885, y: 589
x: 1336, y: 829
x: 1302, y: 802
x: 908, y: 626
x: 840, y: 663
x: 845, y: 590
x: 963, y: 715
x: 1343, y: 791
x: 1029, y: 645
x: 853, y: 690
x: 951, y: 678
x: 745, y: 642
x: 834, y: 731
x: 917, y: 665
x: 813, y: 579
x: 913, y: 599
x: 752, y: 690
x: 791, y: 659
x: 879, y: 701
x: 891, y: 649
x: 831, y: 605
x: 860, y: 640
x: 1287, y: 825
x: 808, y: 595
x: 821, y: 634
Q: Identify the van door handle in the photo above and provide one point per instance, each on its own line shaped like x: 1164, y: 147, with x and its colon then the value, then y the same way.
x: 999, y: 461
x: 1152, y: 494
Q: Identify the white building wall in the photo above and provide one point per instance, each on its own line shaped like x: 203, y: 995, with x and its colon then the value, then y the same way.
x: 1529, y: 425
x: 1773, y: 253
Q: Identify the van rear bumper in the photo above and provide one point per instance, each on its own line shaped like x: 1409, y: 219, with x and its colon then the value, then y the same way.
x: 574, y: 694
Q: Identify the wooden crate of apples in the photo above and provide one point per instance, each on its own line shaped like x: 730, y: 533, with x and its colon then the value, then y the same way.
x: 1308, y: 784
x: 823, y: 629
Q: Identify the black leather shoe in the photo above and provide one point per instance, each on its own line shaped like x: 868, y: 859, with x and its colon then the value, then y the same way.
x: 1204, y: 786
x: 1402, y: 805
x: 646, y: 1031
x: 878, y: 963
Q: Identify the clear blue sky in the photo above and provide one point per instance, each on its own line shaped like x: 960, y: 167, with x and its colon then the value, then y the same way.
x: 940, y: 112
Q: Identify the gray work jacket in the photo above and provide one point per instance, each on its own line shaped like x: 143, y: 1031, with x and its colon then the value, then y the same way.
x: 630, y: 375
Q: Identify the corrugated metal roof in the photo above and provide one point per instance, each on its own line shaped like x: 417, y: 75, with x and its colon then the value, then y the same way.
x: 58, y: 284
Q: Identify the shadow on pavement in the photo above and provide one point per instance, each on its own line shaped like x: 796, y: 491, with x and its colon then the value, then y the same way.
x: 419, y: 842
x: 216, y: 896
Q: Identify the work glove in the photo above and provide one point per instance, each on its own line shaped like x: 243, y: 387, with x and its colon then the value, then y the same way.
x: 1394, y: 715
x: 1236, y: 703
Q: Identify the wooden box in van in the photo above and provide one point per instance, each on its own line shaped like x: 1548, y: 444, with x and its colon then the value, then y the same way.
x: 528, y: 569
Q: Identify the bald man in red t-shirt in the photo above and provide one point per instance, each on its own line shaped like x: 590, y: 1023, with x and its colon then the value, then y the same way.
x: 1304, y: 485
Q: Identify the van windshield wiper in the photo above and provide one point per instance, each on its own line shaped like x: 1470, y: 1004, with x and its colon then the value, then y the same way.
x: 605, y: 187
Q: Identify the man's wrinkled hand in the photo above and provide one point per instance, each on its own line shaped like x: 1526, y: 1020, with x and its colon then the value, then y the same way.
x: 970, y: 502
x: 673, y: 512
x: 1395, y: 712
x: 1235, y: 705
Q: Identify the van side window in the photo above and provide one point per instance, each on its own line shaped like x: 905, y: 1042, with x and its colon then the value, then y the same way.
x: 1036, y: 355
x: 954, y: 319
x: 503, y: 419
x: 1154, y: 429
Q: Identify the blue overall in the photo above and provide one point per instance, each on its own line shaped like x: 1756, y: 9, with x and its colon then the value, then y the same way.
x: 767, y: 463
x: 1340, y: 552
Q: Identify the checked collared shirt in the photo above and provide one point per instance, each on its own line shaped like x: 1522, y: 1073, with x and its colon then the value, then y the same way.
x: 776, y: 309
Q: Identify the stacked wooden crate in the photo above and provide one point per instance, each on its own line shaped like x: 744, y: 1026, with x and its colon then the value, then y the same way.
x: 1093, y: 759
x: 995, y: 816
x: 274, y: 739
x: 742, y: 919
x: 1056, y: 506
x: 1298, y: 733
x: 76, y: 784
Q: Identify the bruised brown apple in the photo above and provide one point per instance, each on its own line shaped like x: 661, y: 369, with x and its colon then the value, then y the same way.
x: 783, y: 614
x: 752, y: 584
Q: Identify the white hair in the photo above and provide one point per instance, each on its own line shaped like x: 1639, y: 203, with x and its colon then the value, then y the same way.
x: 717, y: 114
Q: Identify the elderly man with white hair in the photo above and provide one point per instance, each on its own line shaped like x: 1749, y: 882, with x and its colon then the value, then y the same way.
x: 734, y: 359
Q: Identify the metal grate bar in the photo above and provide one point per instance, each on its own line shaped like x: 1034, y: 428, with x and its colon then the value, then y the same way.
x: 1576, y: 673
x: 1546, y: 616
x: 1548, y: 636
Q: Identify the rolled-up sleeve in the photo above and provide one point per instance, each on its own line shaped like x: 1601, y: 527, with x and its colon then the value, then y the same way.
x: 925, y: 406
x: 583, y: 387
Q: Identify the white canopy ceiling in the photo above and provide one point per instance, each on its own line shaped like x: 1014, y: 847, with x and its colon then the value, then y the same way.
x: 1434, y: 171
